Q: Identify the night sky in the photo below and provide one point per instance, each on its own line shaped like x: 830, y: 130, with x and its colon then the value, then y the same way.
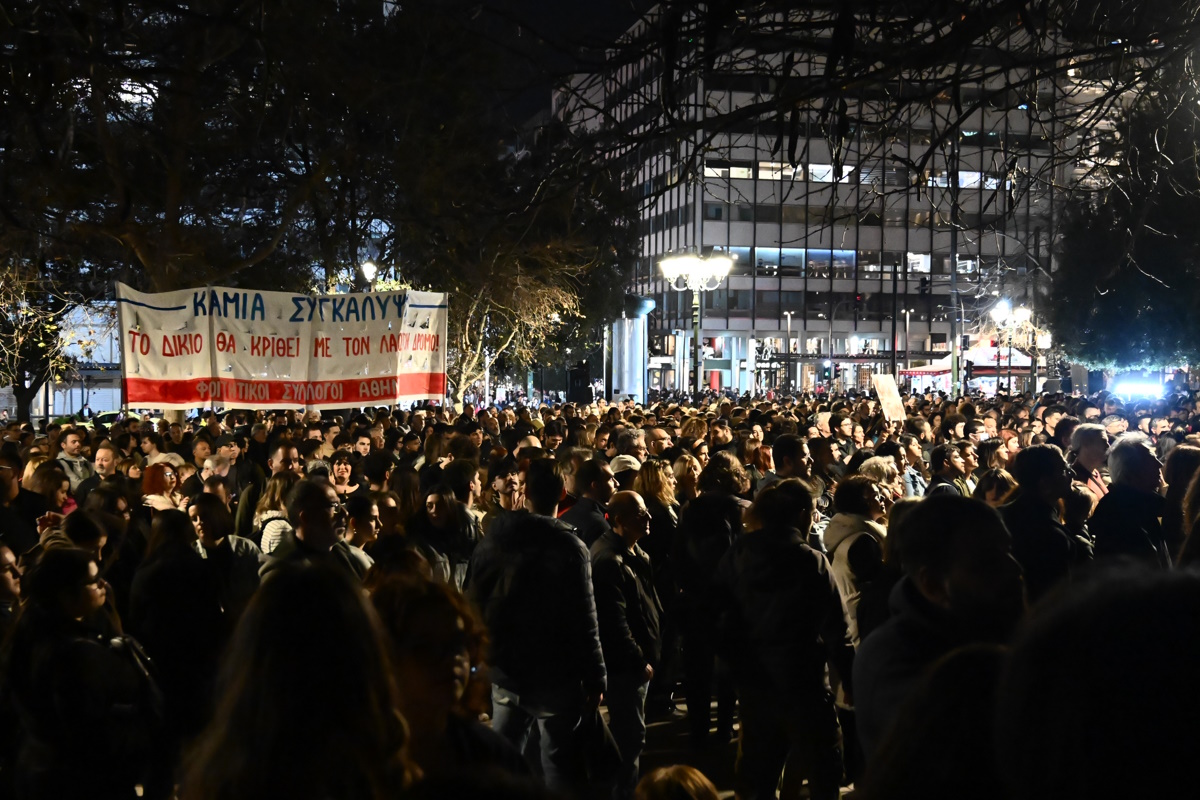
x: 552, y: 33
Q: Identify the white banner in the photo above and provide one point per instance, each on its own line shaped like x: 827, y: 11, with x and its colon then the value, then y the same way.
x: 237, y: 348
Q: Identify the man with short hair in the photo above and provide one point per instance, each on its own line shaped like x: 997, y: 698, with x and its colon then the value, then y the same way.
x: 105, y: 463
x: 722, y: 435
x: 319, y: 522
x: 948, y: 468
x: 588, y: 516
x: 1051, y: 416
x: 213, y: 466
x: 629, y: 610
x: 363, y: 445
x: 377, y: 468
x: 1127, y: 521
x: 658, y: 441
x: 792, y: 460
x: 329, y: 432
x: 531, y: 567
x: 632, y: 442
x: 503, y: 476
x: 843, y: 432
x: 71, y: 459
x: 201, y: 449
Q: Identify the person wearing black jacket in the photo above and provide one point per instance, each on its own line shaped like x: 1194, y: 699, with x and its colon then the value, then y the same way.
x: 319, y: 520
x: 1126, y: 521
x: 175, y: 611
x: 21, y: 508
x: 782, y: 622
x: 629, y: 611
x: 1041, y: 544
x: 531, y: 580
x: 596, y: 484
x: 710, y: 525
x: 88, y: 720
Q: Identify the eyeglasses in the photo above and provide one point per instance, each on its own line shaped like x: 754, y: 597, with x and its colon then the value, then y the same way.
x: 168, y: 474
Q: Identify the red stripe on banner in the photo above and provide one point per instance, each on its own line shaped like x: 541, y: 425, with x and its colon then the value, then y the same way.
x: 231, y: 392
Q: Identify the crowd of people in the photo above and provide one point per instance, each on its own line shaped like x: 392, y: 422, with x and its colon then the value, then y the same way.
x: 990, y: 597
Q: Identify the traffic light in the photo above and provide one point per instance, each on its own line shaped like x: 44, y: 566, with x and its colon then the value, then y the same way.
x: 858, y: 299
x: 924, y: 285
x: 969, y: 369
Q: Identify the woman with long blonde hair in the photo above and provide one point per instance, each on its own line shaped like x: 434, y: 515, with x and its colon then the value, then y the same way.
x: 687, y: 478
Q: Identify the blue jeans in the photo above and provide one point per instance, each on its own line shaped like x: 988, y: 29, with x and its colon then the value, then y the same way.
x: 556, y: 714
x: 626, y: 700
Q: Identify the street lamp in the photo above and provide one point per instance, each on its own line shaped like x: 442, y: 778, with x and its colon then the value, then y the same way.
x: 691, y: 272
x: 369, y: 271
x: 1010, y: 320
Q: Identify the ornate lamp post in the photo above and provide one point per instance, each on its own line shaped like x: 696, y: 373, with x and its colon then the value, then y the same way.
x: 1011, y: 321
x: 691, y: 272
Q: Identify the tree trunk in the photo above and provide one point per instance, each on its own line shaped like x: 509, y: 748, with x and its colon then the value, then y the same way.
x: 24, y: 398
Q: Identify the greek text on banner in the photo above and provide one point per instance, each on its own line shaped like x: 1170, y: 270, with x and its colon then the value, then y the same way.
x: 230, y: 348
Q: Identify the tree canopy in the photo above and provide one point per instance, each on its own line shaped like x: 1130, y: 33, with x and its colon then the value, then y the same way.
x: 1127, y: 282
x: 279, y: 145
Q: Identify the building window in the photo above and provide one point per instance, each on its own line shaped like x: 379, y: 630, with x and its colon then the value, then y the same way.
x: 740, y: 172
x: 918, y: 262
x: 714, y: 211
x: 824, y: 173
x: 791, y: 261
x: 772, y: 171
x: 796, y: 215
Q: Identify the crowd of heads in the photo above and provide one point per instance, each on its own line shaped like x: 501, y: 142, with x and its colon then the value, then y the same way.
x: 398, y: 499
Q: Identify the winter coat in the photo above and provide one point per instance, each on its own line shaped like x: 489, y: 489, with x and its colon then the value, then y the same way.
x: 627, y: 606
x: 272, y: 530
x: 782, y: 618
x: 589, y: 519
x: 175, y: 611
x: 710, y: 525
x: 233, y: 567
x: 90, y: 715
x: 1040, y: 543
x: 531, y: 579
x: 1126, y: 523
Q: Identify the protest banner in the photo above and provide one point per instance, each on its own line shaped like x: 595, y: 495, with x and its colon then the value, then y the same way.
x: 889, y: 397
x: 238, y: 348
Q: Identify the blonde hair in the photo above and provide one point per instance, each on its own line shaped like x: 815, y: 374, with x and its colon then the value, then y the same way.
x: 35, y: 461
x: 881, y: 468
x: 651, y: 481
